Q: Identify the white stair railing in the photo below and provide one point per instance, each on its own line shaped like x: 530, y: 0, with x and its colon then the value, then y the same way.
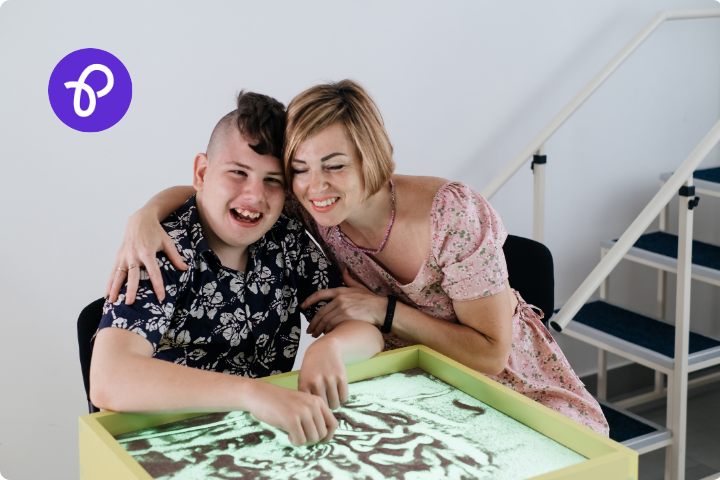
x: 637, y: 228
x: 537, y: 143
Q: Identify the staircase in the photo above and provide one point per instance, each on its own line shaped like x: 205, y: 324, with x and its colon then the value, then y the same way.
x: 671, y: 350
x: 650, y: 340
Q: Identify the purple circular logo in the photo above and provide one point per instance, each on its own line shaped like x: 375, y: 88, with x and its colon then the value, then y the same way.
x: 90, y: 90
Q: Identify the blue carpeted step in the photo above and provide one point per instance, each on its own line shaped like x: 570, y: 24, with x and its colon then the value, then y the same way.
x: 708, y: 174
x: 638, y: 329
x: 707, y: 178
x: 666, y: 244
x: 633, y: 431
x: 624, y: 427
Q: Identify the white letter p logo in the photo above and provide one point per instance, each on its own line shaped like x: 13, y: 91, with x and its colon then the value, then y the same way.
x: 80, y: 86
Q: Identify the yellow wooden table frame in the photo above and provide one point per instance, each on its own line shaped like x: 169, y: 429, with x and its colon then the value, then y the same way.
x: 103, y: 458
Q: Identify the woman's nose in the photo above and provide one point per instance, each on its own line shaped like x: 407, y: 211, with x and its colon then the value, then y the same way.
x: 317, y: 181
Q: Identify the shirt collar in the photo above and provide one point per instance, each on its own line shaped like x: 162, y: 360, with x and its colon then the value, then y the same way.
x: 195, y: 232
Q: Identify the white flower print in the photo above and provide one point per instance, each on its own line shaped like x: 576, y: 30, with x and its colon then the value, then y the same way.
x: 291, y: 350
x: 139, y: 331
x: 197, y: 354
x: 295, y: 334
x: 207, y: 302
x: 236, y: 285
x: 183, y: 338
x: 177, y: 234
x: 262, y: 278
x: 119, y: 323
x: 321, y: 279
x: 320, y: 259
x: 256, y: 317
x: 164, y: 263
x: 233, y: 327
x: 268, y: 356
x: 262, y: 340
x: 301, y: 269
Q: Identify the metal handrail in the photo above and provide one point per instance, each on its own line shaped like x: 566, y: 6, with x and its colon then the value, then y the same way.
x: 637, y: 228
x: 539, y: 140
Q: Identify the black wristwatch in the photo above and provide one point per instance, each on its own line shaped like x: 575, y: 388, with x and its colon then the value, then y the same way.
x: 389, y: 314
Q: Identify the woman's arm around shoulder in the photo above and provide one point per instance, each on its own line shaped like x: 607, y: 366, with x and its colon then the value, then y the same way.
x: 144, y: 237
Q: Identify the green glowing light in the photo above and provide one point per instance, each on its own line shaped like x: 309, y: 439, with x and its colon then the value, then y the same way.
x: 407, y: 425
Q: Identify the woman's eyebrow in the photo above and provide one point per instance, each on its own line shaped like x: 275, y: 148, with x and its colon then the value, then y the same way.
x: 328, y: 157
x: 325, y: 158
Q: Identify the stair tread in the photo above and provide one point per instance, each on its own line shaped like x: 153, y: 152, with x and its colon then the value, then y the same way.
x: 624, y: 427
x: 638, y: 329
x: 709, y: 175
x: 666, y: 244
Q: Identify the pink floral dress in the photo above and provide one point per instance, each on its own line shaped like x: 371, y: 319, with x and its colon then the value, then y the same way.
x: 466, y: 262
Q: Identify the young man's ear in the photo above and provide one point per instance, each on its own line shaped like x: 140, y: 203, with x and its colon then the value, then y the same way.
x: 199, y: 171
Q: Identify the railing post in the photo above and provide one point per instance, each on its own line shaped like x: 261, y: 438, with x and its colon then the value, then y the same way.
x: 662, y: 274
x: 602, y: 354
x: 538, y: 166
x: 602, y: 375
x: 677, y: 390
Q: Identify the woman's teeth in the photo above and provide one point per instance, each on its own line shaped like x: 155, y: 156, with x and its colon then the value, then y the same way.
x: 247, y: 215
x: 325, y: 203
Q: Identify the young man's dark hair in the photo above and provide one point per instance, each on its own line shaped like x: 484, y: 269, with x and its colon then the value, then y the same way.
x: 259, y: 118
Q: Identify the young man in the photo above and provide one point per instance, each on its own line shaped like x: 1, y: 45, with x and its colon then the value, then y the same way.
x: 235, y: 310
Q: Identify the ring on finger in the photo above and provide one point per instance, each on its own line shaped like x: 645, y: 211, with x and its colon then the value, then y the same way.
x: 131, y: 266
x: 122, y: 269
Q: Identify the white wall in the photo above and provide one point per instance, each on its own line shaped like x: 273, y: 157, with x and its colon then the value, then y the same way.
x: 462, y: 85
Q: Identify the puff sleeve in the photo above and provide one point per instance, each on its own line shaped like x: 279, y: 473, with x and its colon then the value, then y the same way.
x: 467, y: 242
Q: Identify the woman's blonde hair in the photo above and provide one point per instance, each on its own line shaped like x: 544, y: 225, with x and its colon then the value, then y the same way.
x: 347, y: 103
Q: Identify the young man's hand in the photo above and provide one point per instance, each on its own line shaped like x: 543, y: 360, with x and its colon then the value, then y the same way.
x: 323, y: 372
x: 305, y: 417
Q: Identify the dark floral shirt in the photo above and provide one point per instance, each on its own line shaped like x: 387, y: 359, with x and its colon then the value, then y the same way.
x: 216, y: 318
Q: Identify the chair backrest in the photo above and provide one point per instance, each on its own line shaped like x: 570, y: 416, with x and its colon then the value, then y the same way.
x: 87, y: 325
x: 531, y: 272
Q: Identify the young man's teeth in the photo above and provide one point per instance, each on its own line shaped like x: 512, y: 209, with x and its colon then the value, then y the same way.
x: 325, y: 203
x: 247, y: 214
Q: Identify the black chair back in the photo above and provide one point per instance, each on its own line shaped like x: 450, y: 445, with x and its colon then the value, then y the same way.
x: 87, y: 325
x: 531, y: 272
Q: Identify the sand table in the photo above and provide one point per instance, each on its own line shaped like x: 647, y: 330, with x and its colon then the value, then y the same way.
x: 406, y: 425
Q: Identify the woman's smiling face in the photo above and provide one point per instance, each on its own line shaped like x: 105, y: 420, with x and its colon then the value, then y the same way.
x: 327, y: 176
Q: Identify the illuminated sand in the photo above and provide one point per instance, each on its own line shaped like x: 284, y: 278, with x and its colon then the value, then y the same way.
x: 407, y: 425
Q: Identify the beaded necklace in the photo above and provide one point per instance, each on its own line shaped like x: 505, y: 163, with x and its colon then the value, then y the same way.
x: 387, y: 232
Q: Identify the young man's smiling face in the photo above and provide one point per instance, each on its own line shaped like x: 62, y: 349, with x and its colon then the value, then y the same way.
x: 240, y: 195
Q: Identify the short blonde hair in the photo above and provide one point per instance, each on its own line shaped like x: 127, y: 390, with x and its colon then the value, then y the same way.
x: 347, y: 103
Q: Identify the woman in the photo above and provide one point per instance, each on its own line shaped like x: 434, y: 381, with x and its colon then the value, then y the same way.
x: 434, y: 245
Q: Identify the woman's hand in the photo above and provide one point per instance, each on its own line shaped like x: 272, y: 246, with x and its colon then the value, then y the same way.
x: 354, y: 302
x: 144, y: 237
x: 323, y: 372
